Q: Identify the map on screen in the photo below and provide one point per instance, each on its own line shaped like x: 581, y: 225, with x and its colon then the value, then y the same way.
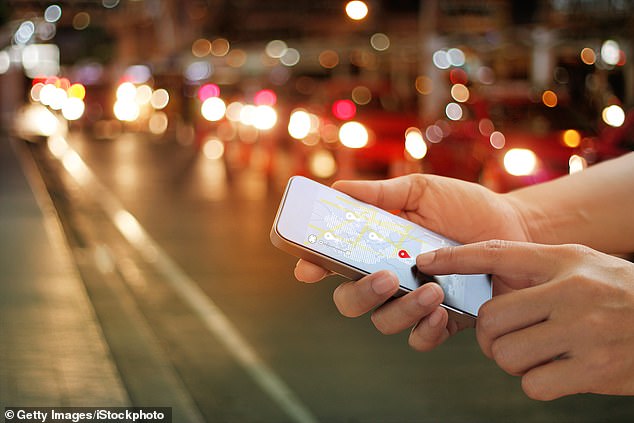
x: 371, y: 240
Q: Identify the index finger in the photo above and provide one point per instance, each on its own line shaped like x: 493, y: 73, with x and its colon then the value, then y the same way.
x: 518, y: 264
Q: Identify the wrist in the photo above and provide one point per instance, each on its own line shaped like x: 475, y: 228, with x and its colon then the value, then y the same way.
x: 532, y: 222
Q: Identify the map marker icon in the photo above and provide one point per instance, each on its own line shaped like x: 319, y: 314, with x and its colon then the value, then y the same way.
x: 403, y: 254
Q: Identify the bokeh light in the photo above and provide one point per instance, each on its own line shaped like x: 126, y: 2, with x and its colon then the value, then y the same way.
x: 160, y: 99
x: 610, y: 52
x: 571, y: 138
x: 357, y: 10
x: 520, y: 162
x: 198, y: 71
x: 143, y: 95
x: 486, y: 127
x: 265, y: 98
x: 138, y: 74
x: 299, y: 124
x: 201, y: 47
x: 58, y: 99
x: 25, y: 31
x: 213, y: 149
x: 613, y: 115
x: 207, y: 91
x: 497, y: 140
x: 220, y: 47
x: 213, y: 109
x: 549, y: 98
x: 576, y: 164
x: 460, y: 93
x: 424, y: 85
x: 361, y: 95
x: 126, y: 91
x: 588, y: 56
x: 158, y: 123
x: 276, y: 49
x: 110, y: 4
x: 291, y: 57
x: 233, y: 111
x: 456, y: 57
x: 322, y: 164
x: 344, y: 109
x: 329, y: 59
x: 458, y: 76
x: 440, y: 59
x: 5, y: 62
x: 126, y: 111
x: 236, y: 58
x: 77, y: 91
x: 415, y: 144
x: 453, y: 111
x: 353, y: 135
x: 434, y: 133
x: 265, y: 117
x: 73, y: 109
x: 81, y: 21
x: 380, y: 41
x: 53, y: 13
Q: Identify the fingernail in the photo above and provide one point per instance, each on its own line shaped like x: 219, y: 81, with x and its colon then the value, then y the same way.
x: 429, y: 296
x: 435, y: 318
x: 383, y: 284
x: 425, y: 258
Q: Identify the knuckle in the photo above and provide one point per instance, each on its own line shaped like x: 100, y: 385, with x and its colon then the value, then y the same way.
x: 596, y: 323
x: 602, y: 362
x: 577, y: 251
x: 494, y: 248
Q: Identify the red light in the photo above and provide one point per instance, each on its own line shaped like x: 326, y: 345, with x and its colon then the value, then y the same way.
x: 53, y: 80
x: 38, y: 80
x: 344, y: 109
x: 64, y: 83
x: 208, y: 91
x: 458, y: 76
x: 265, y: 98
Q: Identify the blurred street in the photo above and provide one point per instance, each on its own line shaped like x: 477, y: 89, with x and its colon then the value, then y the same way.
x: 159, y: 345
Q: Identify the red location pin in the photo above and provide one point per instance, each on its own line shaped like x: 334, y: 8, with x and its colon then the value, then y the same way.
x: 403, y: 254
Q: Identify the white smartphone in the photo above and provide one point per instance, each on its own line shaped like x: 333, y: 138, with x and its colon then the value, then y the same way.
x: 349, y: 237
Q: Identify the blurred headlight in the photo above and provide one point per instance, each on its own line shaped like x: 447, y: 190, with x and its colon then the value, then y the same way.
x: 520, y: 162
x: 353, y: 135
x: 213, y: 109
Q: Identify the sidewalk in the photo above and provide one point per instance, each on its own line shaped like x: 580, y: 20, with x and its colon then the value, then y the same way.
x: 52, y: 350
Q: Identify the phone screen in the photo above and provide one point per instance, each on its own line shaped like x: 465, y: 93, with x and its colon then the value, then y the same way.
x: 370, y: 239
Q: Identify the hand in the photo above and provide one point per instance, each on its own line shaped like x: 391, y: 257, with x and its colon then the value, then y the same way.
x: 566, y: 325
x: 463, y: 211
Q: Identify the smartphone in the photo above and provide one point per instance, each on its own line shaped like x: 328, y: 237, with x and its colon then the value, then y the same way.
x: 352, y: 238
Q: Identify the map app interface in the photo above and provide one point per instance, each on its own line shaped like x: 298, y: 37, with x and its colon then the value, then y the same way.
x: 372, y: 239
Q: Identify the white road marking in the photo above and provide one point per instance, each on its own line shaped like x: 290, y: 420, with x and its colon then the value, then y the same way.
x: 209, y: 313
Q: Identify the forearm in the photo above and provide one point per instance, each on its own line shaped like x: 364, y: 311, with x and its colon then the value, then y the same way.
x: 594, y: 207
